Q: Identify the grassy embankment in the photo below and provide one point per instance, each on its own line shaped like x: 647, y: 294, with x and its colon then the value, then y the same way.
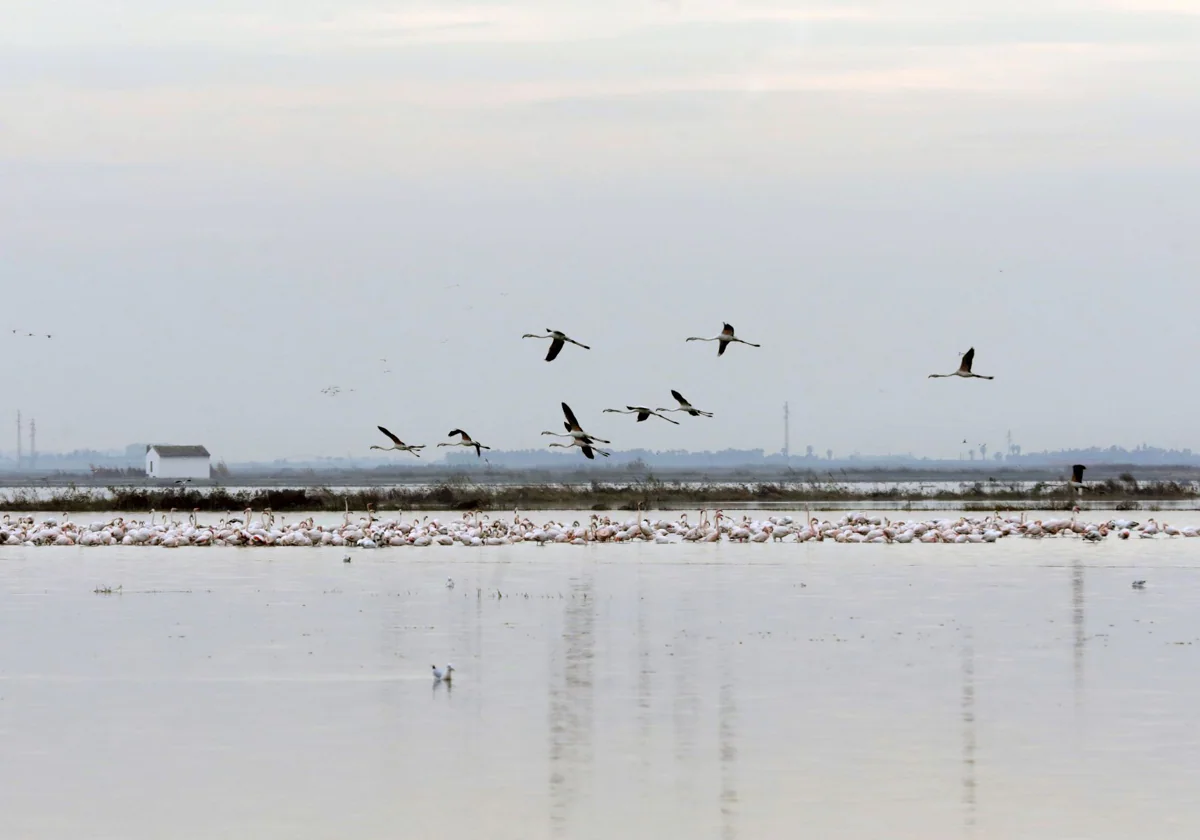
x: 1125, y: 492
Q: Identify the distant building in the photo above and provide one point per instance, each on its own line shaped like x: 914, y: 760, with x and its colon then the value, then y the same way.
x: 164, y: 461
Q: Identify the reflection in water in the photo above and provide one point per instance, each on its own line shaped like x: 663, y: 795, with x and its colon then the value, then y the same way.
x: 643, y: 683
x: 1077, y: 604
x: 727, y: 743
x: 968, y: 722
x: 571, y: 707
x: 685, y: 708
x: 217, y: 685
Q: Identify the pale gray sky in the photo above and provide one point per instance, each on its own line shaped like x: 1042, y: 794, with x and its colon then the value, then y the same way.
x: 219, y: 212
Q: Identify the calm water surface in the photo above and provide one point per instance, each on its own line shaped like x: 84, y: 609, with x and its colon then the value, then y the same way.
x: 1021, y: 689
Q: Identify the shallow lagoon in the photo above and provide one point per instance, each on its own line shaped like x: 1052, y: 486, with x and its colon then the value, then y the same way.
x: 1015, y: 689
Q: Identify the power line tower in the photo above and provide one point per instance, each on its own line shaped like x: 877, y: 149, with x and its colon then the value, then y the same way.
x: 18, y: 440
x: 787, y: 453
x: 32, y: 443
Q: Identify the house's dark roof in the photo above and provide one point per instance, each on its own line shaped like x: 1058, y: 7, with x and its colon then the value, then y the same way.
x: 179, y: 451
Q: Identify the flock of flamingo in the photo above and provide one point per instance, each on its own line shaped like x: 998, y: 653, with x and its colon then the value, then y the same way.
x: 586, y: 442
x: 476, y: 528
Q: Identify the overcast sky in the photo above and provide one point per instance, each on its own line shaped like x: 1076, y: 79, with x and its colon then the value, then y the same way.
x: 218, y: 212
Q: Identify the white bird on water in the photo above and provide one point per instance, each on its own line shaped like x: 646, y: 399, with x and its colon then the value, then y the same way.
x: 442, y: 674
x: 556, y: 345
x: 964, y: 369
x: 726, y: 338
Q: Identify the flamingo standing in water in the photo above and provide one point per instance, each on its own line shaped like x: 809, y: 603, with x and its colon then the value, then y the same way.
x: 466, y: 441
x: 556, y: 346
x: 684, y: 405
x: 964, y: 369
x: 725, y: 338
x: 398, y: 445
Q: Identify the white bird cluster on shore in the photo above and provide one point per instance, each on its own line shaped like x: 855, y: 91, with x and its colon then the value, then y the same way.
x: 479, y: 529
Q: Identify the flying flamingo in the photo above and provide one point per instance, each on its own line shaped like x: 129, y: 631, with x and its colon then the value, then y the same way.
x: 466, y: 441
x: 586, y: 447
x: 684, y: 405
x: 556, y: 345
x: 398, y: 445
x: 725, y: 338
x: 574, y: 430
x: 1075, y: 483
x: 964, y: 369
x: 642, y: 413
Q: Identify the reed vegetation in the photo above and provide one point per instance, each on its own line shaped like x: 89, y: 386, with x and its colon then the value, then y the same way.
x: 646, y: 493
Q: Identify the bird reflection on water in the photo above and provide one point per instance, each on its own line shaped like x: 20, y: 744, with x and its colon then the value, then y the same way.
x: 969, y: 781
x: 571, y: 707
x: 702, y: 694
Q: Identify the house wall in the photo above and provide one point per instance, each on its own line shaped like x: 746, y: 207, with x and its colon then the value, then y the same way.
x: 157, y: 467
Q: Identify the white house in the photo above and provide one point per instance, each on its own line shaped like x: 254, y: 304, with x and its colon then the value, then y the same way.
x: 176, y: 461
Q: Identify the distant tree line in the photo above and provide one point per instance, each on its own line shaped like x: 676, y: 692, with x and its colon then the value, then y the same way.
x: 127, y: 463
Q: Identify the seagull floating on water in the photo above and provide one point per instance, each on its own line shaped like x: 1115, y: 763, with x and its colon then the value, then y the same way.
x: 726, y: 338
x: 442, y: 675
x: 556, y: 345
x: 964, y: 369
